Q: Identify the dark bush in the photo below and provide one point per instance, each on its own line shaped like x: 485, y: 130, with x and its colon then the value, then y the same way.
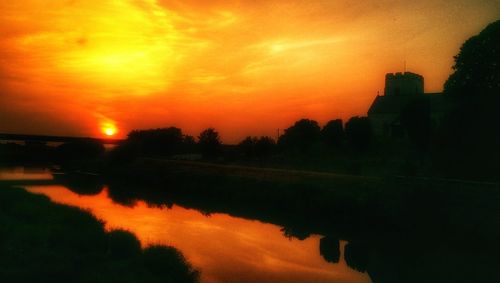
x: 332, y: 133
x: 157, y: 142
x: 301, y: 135
x: 45, y: 242
x: 209, y: 142
x: 123, y: 244
x: 167, y: 263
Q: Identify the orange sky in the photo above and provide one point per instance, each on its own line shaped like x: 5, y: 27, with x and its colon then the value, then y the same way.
x: 69, y: 67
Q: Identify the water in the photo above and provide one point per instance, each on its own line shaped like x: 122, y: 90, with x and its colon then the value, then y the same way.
x: 223, y: 247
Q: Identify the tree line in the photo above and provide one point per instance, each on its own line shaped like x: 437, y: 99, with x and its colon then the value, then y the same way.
x: 299, y: 138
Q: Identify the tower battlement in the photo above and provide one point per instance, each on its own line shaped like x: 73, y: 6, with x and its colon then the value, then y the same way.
x: 403, y: 84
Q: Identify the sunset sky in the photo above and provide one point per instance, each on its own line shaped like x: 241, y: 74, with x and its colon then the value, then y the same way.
x: 74, y: 67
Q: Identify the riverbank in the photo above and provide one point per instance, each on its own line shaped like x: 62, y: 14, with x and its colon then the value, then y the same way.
x: 302, y: 195
x: 45, y: 242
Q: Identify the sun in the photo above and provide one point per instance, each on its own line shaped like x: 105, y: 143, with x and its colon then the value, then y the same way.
x: 109, y: 130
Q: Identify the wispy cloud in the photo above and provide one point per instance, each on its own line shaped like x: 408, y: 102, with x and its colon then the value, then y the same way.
x: 197, y: 61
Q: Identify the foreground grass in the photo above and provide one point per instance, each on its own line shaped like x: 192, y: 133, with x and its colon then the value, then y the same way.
x: 45, y: 242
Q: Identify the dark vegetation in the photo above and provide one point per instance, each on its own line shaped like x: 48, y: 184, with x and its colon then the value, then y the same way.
x: 358, y: 132
x: 84, y: 153
x: 332, y: 133
x: 45, y: 242
x: 257, y: 148
x: 161, y: 142
x: 301, y: 136
x: 30, y: 153
x: 209, y: 142
x: 470, y: 138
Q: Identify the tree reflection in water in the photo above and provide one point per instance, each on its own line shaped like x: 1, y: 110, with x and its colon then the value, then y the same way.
x: 425, y: 235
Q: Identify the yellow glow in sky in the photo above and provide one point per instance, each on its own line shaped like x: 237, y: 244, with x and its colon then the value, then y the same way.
x: 244, y: 67
x: 109, y: 129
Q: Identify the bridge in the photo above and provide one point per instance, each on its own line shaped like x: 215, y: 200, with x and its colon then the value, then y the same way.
x: 44, y: 138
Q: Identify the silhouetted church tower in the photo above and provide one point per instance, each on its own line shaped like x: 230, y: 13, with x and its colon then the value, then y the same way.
x: 402, y: 89
x: 403, y: 84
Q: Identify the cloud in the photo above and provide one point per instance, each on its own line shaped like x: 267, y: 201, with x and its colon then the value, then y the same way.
x: 197, y: 62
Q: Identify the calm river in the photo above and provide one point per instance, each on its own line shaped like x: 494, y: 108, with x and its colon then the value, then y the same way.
x: 223, y: 247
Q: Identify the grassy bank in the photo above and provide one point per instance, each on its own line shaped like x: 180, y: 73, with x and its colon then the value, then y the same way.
x: 45, y: 242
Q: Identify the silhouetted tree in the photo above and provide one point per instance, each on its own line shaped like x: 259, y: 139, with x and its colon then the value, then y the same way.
x: 333, y: 132
x: 477, y: 65
x: 209, y: 143
x: 301, y: 135
x: 163, y: 141
x: 359, y: 132
x: 470, y: 133
x: 152, y: 142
